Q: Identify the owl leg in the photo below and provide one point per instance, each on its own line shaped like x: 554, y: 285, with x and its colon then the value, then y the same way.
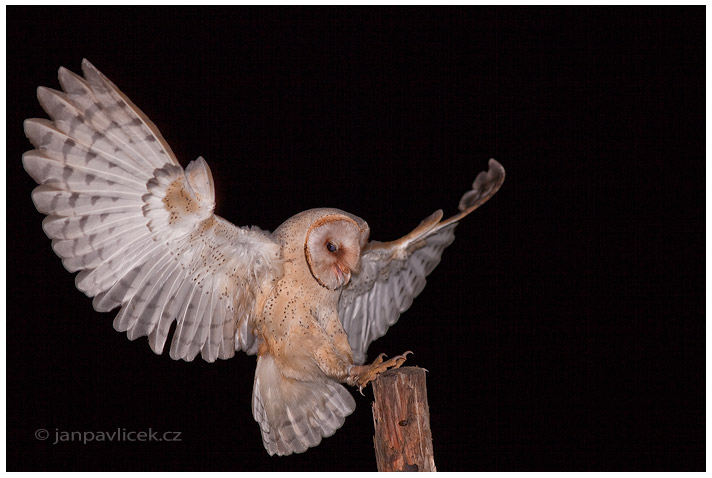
x: 360, y: 375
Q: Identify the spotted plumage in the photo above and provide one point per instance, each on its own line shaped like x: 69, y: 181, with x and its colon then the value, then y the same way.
x: 308, y: 299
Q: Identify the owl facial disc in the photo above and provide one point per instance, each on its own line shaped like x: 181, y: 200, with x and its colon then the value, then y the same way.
x: 333, y: 249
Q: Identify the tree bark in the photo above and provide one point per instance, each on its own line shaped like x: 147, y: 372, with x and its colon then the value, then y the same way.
x: 401, y: 418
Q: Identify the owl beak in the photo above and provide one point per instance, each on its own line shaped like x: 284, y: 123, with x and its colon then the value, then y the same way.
x: 343, y: 274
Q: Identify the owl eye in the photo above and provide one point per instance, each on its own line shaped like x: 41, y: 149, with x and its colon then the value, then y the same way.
x: 331, y: 246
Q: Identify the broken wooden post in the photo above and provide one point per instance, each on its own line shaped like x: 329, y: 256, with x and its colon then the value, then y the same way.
x: 401, y: 417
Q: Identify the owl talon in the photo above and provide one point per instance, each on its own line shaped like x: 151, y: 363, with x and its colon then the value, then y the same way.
x: 361, y: 375
x: 379, y: 360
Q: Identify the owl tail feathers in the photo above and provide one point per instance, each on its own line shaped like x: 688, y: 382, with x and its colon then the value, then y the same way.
x: 295, y: 415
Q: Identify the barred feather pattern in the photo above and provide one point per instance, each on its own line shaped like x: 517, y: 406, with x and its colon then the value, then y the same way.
x: 394, y: 273
x: 139, y: 229
x: 295, y: 415
x: 386, y: 287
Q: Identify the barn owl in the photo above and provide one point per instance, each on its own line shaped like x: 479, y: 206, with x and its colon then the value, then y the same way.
x: 307, y: 299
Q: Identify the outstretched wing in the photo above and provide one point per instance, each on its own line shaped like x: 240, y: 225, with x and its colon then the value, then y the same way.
x: 141, y: 230
x: 393, y: 273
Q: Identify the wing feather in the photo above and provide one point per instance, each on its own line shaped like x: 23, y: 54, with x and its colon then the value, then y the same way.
x: 394, y: 273
x: 72, y: 227
x: 139, y: 229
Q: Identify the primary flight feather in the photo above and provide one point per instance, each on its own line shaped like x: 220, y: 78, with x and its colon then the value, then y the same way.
x: 308, y: 299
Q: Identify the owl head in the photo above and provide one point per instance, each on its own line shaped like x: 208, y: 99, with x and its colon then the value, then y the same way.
x: 331, y: 242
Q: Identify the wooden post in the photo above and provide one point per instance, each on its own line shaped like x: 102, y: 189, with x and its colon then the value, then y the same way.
x: 401, y: 417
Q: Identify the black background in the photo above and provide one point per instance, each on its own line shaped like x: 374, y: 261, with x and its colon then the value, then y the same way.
x: 564, y: 328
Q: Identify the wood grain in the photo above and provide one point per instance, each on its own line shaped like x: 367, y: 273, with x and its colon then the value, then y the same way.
x: 401, y: 418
